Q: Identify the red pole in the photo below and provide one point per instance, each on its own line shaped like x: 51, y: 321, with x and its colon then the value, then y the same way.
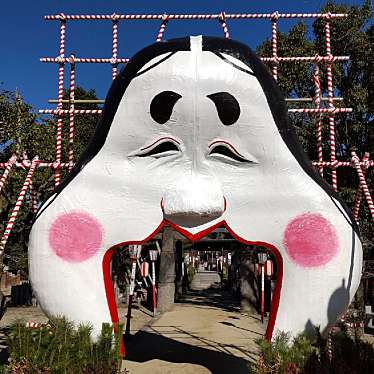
x: 262, y: 293
x: 153, y: 256
x: 154, y: 288
x: 131, y: 294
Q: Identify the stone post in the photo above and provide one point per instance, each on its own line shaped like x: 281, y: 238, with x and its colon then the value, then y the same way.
x: 179, y: 271
x: 248, y: 283
x: 166, y: 286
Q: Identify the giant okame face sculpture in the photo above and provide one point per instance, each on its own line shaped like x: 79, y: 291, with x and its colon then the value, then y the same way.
x: 194, y: 134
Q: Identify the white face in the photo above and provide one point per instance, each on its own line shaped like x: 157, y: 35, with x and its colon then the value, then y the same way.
x: 194, y: 143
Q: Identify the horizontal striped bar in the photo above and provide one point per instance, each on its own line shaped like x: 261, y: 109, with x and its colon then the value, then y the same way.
x: 84, y: 60
x: 45, y: 164
x: 112, y: 17
x: 93, y: 60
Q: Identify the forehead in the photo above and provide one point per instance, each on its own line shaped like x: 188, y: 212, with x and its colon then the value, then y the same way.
x: 205, y: 69
x: 194, y: 75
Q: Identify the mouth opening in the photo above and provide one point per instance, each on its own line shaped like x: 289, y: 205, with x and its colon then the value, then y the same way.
x: 215, y: 271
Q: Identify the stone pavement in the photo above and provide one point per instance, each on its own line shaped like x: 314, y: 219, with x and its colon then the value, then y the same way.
x: 204, y: 280
x: 205, y: 333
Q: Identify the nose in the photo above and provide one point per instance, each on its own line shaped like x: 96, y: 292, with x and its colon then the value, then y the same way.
x: 194, y: 199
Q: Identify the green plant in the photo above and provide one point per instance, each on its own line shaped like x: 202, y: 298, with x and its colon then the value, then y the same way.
x: 305, y: 356
x: 63, y: 349
x: 283, y: 356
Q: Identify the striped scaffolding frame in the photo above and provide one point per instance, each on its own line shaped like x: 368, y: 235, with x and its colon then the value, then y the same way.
x: 63, y: 60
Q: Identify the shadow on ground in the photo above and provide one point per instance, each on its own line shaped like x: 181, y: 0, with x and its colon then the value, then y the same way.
x: 145, y: 346
x: 212, y: 297
x: 4, y: 351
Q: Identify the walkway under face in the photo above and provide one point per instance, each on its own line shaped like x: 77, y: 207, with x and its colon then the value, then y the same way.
x: 205, y: 333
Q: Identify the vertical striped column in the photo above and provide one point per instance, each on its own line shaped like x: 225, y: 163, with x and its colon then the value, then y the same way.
x: 161, y: 32
x: 7, y: 170
x: 114, y: 45
x: 330, y: 98
x: 222, y: 20
x: 274, y: 44
x: 18, y: 205
x: 34, y: 198
x: 356, y: 207
x: 317, y: 102
x: 71, y: 114
x: 60, y: 96
x: 363, y: 184
x: 329, y: 347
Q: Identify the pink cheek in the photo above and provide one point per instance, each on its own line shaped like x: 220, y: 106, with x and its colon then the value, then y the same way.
x: 75, y: 237
x: 310, y: 240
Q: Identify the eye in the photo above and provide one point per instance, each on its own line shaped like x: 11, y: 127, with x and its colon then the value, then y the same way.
x: 161, y: 148
x: 227, y: 106
x: 162, y: 106
x: 228, y: 152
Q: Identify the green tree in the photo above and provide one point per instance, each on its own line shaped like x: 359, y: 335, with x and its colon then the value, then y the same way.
x: 23, y: 131
x: 353, y: 80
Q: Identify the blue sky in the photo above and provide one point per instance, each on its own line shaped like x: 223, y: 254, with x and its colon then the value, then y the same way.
x: 25, y: 36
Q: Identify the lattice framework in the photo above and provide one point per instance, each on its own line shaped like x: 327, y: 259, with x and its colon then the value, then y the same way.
x: 360, y: 165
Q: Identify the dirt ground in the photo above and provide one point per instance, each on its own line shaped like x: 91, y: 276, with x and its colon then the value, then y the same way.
x: 205, y: 333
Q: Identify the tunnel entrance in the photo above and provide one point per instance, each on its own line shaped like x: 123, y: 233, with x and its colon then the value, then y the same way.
x: 193, y: 288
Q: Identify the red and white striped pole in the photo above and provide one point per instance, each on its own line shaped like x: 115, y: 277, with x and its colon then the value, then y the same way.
x: 18, y: 205
x: 222, y: 20
x: 317, y: 102
x: 37, y: 325
x: 363, y: 184
x: 262, y: 260
x: 7, y: 170
x: 262, y: 293
x: 153, y: 256
x: 329, y: 346
x: 71, y: 114
x: 269, y: 271
x: 330, y: 97
x: 160, y: 35
x: 356, y: 207
x: 274, y: 44
x: 114, y: 45
x: 134, y: 251
x: 60, y: 97
x: 34, y: 198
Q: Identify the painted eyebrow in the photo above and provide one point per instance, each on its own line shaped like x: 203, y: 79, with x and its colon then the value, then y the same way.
x: 162, y: 106
x: 140, y: 72
x: 228, y: 108
x: 221, y: 56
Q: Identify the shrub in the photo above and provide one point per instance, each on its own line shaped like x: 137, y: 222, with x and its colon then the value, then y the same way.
x: 63, y: 349
x: 303, y: 356
x: 281, y: 357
